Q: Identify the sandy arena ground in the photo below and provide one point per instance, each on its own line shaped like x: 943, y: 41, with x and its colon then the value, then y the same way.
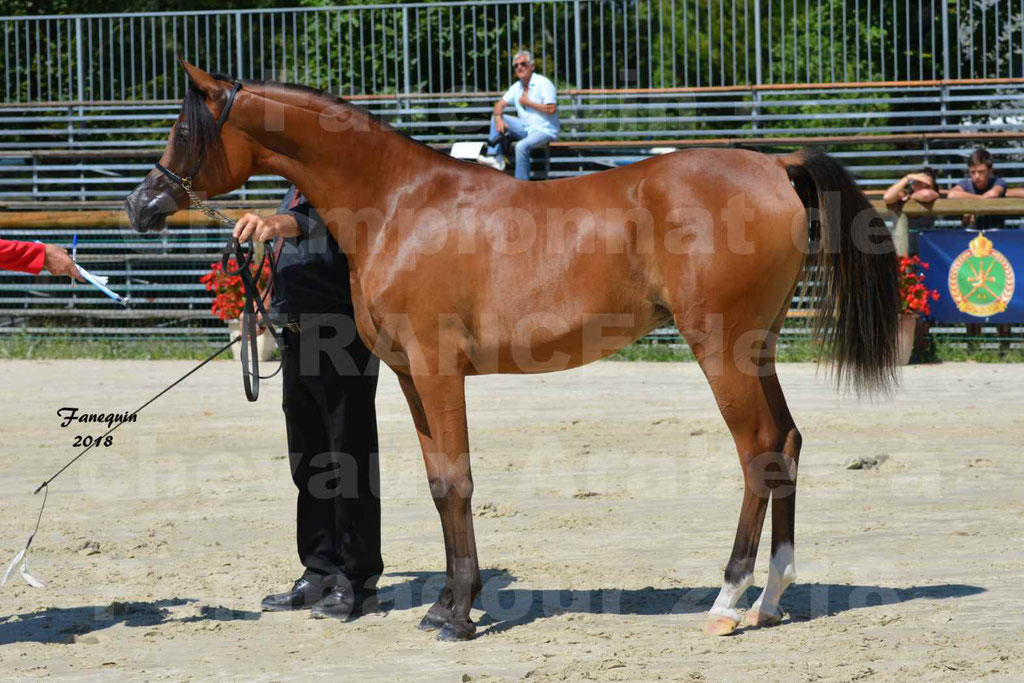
x: 606, y: 502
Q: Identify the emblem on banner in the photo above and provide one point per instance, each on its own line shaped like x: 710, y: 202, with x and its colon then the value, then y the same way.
x: 981, y: 279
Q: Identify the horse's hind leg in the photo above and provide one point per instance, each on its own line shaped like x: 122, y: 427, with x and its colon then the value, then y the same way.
x: 782, y: 568
x: 734, y: 367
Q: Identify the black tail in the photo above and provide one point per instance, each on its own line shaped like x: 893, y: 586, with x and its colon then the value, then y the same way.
x: 853, y: 271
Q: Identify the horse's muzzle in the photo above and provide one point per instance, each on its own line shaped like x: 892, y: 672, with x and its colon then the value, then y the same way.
x: 148, y: 208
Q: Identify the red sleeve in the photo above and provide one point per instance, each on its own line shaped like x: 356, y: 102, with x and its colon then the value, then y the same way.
x: 24, y: 257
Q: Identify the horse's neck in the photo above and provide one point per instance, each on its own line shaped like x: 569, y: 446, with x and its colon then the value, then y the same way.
x: 353, y: 167
x: 337, y: 167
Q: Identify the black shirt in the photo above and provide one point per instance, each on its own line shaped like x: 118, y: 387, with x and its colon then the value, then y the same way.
x: 312, y: 271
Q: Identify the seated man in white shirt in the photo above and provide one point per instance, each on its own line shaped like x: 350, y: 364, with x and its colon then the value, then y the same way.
x: 535, y: 123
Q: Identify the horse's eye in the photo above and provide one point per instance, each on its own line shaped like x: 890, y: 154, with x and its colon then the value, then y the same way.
x: 183, y: 132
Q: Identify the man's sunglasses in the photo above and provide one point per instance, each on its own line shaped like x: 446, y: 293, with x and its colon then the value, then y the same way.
x: 516, y: 65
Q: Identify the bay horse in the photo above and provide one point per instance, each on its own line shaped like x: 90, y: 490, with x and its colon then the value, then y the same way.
x: 457, y: 269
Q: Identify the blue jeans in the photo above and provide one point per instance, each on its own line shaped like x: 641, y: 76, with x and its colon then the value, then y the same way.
x: 526, y: 142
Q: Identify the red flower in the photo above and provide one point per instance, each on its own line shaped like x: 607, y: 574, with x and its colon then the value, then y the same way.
x: 913, y: 292
x: 228, y: 295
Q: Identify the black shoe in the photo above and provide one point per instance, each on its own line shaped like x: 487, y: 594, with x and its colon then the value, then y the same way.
x: 346, y: 602
x: 306, y: 592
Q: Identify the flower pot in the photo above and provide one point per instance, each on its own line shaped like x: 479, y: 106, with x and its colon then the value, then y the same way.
x: 905, y: 338
x: 264, y: 343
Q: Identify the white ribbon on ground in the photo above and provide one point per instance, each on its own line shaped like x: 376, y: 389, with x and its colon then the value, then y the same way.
x: 21, y: 561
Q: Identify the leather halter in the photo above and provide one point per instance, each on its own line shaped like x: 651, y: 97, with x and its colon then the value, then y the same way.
x: 186, y: 181
x: 253, y: 301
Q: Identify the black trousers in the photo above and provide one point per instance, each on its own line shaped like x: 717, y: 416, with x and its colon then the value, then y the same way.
x: 330, y: 380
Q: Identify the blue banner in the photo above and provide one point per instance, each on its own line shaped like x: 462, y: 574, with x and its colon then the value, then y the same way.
x: 974, y: 273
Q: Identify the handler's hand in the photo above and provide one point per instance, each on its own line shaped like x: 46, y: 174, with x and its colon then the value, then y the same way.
x: 265, y: 229
x: 525, y: 100
x: 500, y: 124
x: 57, y: 261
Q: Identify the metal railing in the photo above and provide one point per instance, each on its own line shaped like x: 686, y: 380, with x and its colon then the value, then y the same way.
x: 467, y: 46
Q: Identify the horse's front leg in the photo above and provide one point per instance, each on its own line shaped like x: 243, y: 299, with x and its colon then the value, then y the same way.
x: 441, y: 611
x: 446, y: 456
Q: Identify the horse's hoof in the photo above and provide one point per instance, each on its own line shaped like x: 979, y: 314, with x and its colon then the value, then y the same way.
x: 453, y: 631
x: 432, y: 622
x: 720, y: 626
x: 756, y: 617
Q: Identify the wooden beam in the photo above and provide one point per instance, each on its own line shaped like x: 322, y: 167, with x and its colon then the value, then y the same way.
x: 114, y: 204
x: 106, y: 219
x: 957, y: 207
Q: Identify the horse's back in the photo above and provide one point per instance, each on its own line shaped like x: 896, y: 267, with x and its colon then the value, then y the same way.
x: 600, y: 260
x: 550, y: 275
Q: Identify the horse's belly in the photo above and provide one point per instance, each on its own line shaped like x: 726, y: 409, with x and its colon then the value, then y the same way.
x: 549, y: 342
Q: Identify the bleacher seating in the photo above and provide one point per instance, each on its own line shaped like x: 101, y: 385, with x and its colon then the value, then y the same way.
x: 76, y: 155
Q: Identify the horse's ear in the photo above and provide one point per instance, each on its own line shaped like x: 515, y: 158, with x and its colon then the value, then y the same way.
x: 201, y: 79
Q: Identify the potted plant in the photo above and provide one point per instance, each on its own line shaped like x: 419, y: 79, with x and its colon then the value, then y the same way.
x: 228, y: 299
x: 914, y: 298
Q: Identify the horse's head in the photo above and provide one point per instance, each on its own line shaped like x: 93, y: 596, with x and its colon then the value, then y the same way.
x: 225, y: 157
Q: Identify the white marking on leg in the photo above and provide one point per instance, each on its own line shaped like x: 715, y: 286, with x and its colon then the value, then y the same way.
x: 781, y: 573
x: 728, y: 596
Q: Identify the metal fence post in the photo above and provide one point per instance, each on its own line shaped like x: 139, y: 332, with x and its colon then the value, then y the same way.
x: 945, y: 41
x: 79, y: 58
x: 579, y: 44
x: 239, y: 71
x: 757, y: 64
x: 757, y: 40
x: 403, y: 104
x: 80, y: 77
x: 405, y: 48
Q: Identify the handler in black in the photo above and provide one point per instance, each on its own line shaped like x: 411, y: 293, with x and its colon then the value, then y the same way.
x: 330, y: 379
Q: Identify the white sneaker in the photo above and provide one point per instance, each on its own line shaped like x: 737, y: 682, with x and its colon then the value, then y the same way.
x: 497, y: 162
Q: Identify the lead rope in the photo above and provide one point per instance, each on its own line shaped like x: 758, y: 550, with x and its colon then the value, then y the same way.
x: 21, y: 558
x: 250, y: 372
x: 253, y: 304
x: 211, y: 213
x: 253, y: 301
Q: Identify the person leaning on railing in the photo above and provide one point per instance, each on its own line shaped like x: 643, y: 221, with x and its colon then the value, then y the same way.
x: 921, y: 187
x: 982, y: 183
x: 32, y: 257
x: 1014, y: 193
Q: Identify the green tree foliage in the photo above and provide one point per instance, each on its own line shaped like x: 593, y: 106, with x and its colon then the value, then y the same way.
x: 39, y: 7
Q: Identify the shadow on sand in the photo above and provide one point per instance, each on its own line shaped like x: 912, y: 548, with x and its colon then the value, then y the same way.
x: 63, y: 624
x: 504, y: 607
